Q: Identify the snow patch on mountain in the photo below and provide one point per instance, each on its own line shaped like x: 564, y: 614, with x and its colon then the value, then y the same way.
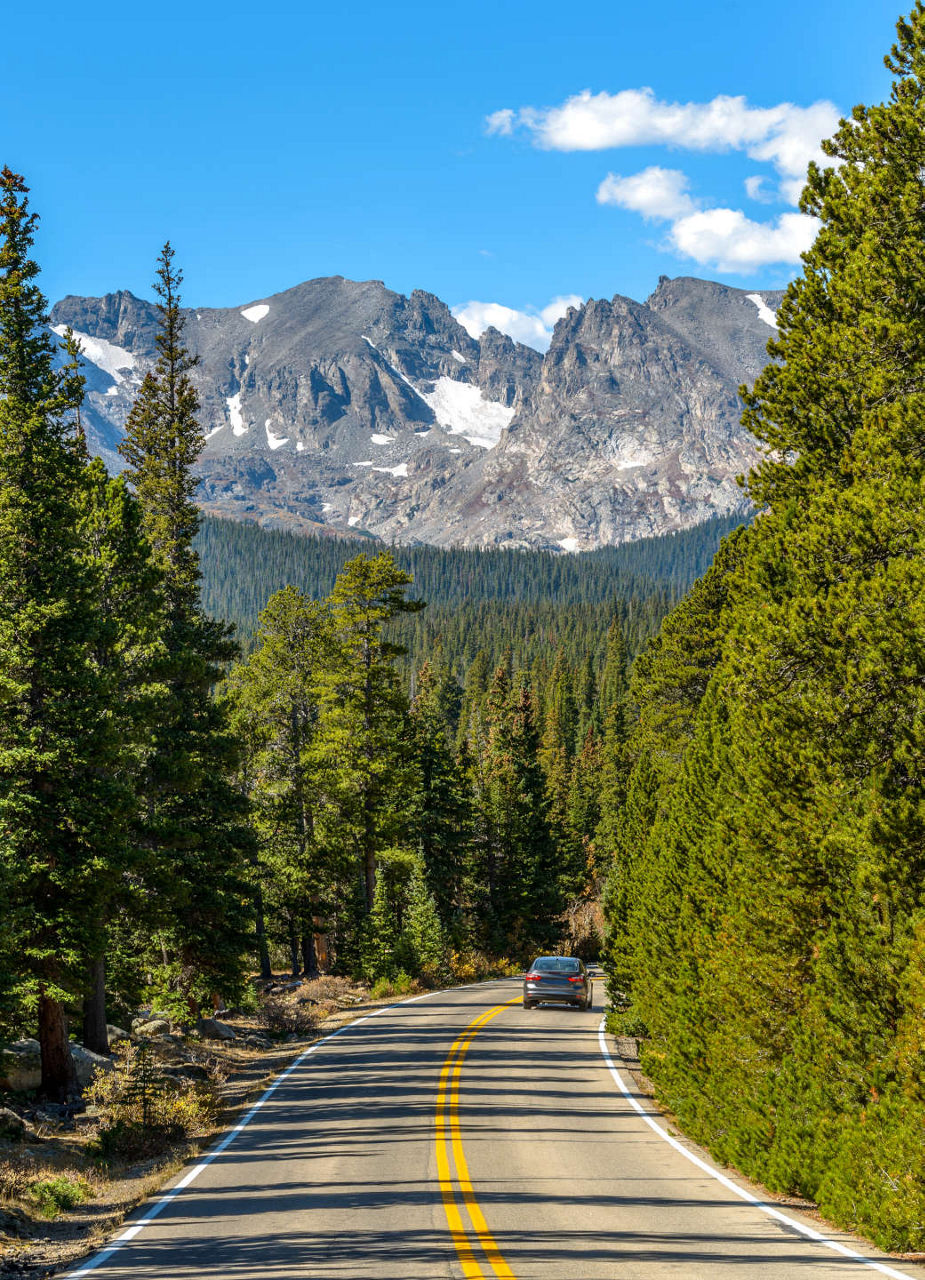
x: 236, y: 414
x: 115, y: 361
x: 463, y: 411
x: 568, y: 544
x: 273, y: 440
x: 378, y: 438
x: 400, y: 470
x: 457, y: 356
x: 257, y: 313
x: 764, y: 311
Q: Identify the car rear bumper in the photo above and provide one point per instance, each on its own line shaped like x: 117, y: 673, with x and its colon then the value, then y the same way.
x: 554, y: 993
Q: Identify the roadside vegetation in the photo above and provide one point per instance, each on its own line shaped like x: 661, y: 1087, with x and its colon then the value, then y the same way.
x: 765, y: 905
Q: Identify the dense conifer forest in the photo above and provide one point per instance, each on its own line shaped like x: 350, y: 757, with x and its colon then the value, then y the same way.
x: 765, y: 899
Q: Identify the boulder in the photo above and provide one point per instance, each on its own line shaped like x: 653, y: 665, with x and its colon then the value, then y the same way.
x: 20, y: 1066
x: 116, y: 1034
x: 12, y: 1127
x: 212, y: 1029
x: 87, y: 1063
x: 147, y: 1030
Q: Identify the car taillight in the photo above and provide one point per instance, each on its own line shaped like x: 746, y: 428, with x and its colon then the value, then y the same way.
x: 532, y: 977
x: 579, y: 978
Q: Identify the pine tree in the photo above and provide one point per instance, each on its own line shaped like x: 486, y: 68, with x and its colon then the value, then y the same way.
x: 515, y: 857
x: 442, y: 816
x: 57, y: 789
x: 126, y: 654
x: 362, y: 744
x: 195, y: 819
x: 275, y: 697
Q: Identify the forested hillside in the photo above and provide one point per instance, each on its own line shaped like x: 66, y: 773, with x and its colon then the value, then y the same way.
x: 242, y: 565
x: 766, y: 902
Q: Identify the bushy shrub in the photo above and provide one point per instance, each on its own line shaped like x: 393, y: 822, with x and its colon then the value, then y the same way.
x: 470, y: 965
x: 286, y: 1013
x: 400, y: 985
x: 52, y: 1195
x: 143, y: 1111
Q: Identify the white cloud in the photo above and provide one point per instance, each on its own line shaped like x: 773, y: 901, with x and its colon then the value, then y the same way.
x: 729, y: 241
x: 501, y: 122
x: 756, y: 188
x: 785, y: 135
x: 655, y: 192
x: 533, y: 327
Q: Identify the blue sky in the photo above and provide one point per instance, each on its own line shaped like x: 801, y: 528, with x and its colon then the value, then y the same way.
x: 279, y: 142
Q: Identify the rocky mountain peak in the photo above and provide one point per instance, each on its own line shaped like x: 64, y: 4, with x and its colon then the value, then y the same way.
x: 340, y: 404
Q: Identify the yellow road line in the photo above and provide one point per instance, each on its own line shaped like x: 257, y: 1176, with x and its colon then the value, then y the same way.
x: 447, y: 1121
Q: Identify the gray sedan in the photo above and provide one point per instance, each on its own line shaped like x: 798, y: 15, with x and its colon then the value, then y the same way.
x: 560, y: 979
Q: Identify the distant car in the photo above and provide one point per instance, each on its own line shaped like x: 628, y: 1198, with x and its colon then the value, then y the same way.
x: 560, y: 980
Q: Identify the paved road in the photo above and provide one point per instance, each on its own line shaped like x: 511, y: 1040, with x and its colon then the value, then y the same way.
x: 461, y: 1135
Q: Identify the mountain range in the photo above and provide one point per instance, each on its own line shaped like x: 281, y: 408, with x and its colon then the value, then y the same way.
x: 341, y: 406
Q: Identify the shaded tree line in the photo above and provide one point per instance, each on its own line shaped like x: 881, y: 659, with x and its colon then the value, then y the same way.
x: 766, y: 903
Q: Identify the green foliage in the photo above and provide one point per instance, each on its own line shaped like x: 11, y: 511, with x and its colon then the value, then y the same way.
x: 765, y: 906
x: 193, y: 823
x: 52, y: 1196
x: 398, y: 985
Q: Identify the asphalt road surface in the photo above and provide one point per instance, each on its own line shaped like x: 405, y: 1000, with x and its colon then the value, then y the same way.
x: 460, y: 1135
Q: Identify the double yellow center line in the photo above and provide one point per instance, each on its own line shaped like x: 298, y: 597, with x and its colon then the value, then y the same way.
x: 450, y: 1153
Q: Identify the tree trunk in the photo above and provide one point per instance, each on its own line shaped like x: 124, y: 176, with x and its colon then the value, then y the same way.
x: 309, y: 958
x: 95, y: 1035
x: 294, y: 948
x: 263, y: 951
x: 59, y: 1078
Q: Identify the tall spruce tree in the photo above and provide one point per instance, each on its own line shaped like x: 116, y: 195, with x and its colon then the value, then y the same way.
x: 127, y: 655
x: 362, y: 744
x: 57, y: 789
x: 442, y: 814
x: 276, y: 700
x: 194, y: 819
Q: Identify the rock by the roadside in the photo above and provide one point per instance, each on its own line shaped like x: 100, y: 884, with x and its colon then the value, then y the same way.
x: 12, y: 1127
x: 20, y: 1066
x: 153, y: 1027
x: 116, y: 1034
x: 87, y: 1063
x: 212, y: 1029
x: 257, y: 1042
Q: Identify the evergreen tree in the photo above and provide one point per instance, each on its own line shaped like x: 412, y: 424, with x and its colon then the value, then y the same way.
x: 194, y: 818
x: 361, y: 748
x: 516, y: 860
x: 775, y: 894
x: 126, y: 654
x: 275, y: 699
x: 57, y: 787
x: 443, y: 808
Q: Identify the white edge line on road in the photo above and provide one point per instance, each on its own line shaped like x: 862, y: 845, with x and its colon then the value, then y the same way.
x: 810, y: 1232
x: 129, y: 1233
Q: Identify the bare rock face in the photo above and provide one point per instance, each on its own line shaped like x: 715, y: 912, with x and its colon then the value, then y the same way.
x: 340, y: 406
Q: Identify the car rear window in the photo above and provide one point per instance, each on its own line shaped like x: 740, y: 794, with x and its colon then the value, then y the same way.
x: 555, y: 964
